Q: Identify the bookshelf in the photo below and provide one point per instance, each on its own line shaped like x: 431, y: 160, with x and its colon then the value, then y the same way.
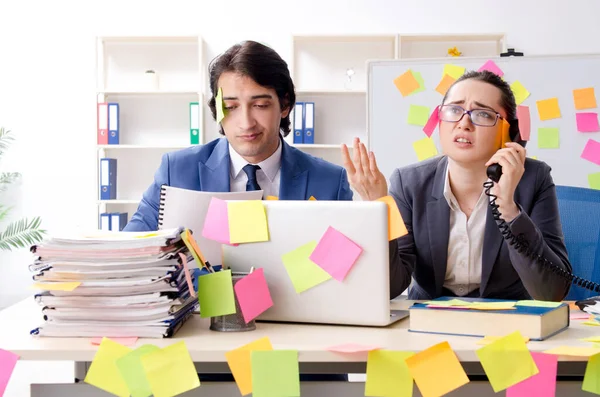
x: 154, y: 108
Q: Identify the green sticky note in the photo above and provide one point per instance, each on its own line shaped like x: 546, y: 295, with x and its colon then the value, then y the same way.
x: 421, y: 82
x: 275, y: 373
x: 548, y: 138
x: 535, y: 303
x: 519, y: 91
x: 594, y: 180
x: 591, y: 379
x: 425, y: 148
x: 453, y: 71
x: 220, y: 105
x: 507, y: 361
x: 215, y: 294
x: 132, y: 371
x: 418, y: 115
x: 103, y: 372
x: 303, y: 272
x: 388, y: 374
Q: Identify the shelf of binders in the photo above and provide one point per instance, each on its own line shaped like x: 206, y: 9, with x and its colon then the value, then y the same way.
x: 119, y: 202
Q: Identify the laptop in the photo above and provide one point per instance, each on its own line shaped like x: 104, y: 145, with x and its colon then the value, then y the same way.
x: 362, y: 298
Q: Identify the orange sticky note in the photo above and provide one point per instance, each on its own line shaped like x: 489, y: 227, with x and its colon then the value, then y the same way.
x: 548, y: 109
x: 440, y: 363
x: 240, y: 363
x: 584, y: 98
x: 312, y: 198
x: 272, y: 198
x: 396, y: 227
x: 406, y: 83
x: 444, y: 84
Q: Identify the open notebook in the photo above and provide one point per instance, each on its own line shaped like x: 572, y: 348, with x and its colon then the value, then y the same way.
x: 187, y: 208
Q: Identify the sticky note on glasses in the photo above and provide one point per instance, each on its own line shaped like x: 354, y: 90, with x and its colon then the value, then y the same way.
x: 453, y: 71
x: 425, y: 148
x: 433, y: 121
x: 519, y: 91
x: 548, y: 109
x: 587, y: 122
x: 584, y: 98
x: 445, y: 84
x: 418, y: 115
x: 406, y: 83
x: 220, y: 105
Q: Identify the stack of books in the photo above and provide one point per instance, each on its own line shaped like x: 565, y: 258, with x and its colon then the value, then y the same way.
x: 114, y: 284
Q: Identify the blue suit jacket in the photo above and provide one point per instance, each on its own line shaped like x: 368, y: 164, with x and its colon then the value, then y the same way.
x: 206, y: 168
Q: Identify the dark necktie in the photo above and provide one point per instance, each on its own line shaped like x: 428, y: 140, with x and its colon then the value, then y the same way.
x: 252, y: 183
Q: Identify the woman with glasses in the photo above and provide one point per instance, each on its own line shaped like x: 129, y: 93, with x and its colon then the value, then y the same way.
x: 454, y: 246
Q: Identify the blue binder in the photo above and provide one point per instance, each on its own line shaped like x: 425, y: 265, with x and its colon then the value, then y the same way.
x: 105, y: 222
x: 309, y: 122
x: 113, y: 123
x: 299, y: 122
x: 118, y: 221
x: 108, y: 179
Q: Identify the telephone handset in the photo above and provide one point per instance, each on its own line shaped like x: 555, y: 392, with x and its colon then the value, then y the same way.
x: 510, y: 133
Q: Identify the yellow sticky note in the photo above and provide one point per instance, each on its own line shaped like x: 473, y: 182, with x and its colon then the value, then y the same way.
x: 240, y: 363
x: 453, y: 71
x: 247, y: 221
x: 131, y: 370
x: 594, y: 180
x: 388, y: 374
x: 548, y: 138
x: 272, y: 198
x: 170, y: 371
x: 595, y: 339
x: 438, y: 360
x: 312, y: 198
x: 220, y: 105
x: 536, y: 303
x: 573, y: 351
x: 104, y: 373
x: 215, y: 294
x: 303, y: 272
x: 418, y: 115
x: 57, y: 286
x: 445, y: 84
x: 493, y: 306
x: 591, y: 322
x: 451, y: 302
x: 519, y: 91
x: 548, y: 109
x: 275, y: 373
x: 396, y: 226
x: 584, y: 98
x: 425, y: 148
x: 406, y: 83
x: 507, y: 361
x: 591, y: 379
x: 489, y: 339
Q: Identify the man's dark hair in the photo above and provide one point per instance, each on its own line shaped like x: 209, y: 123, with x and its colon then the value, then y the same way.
x: 263, y: 65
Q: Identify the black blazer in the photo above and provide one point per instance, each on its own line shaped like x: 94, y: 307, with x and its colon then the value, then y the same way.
x: 506, y: 274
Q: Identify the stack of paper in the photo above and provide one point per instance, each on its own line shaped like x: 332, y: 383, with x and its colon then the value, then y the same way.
x: 114, y: 284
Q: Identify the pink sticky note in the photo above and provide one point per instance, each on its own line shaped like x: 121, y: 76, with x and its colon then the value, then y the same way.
x: 579, y: 316
x: 352, y: 348
x: 216, y: 223
x: 492, y: 67
x: 587, y: 122
x: 8, y: 361
x: 524, y: 122
x: 253, y: 295
x: 123, y: 341
x: 543, y: 384
x: 433, y: 121
x: 591, y: 152
x: 336, y: 254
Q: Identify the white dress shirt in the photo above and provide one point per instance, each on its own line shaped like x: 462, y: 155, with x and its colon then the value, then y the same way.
x: 465, y: 243
x: 267, y: 176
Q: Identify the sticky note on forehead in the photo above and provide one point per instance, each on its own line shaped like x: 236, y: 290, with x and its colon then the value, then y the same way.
x: 220, y: 105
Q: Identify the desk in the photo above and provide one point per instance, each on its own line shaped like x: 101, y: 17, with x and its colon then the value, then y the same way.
x: 207, y: 349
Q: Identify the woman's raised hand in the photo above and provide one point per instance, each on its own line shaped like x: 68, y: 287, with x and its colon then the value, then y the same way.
x: 363, y: 174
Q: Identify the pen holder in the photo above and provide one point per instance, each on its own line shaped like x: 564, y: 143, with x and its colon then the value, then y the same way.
x: 232, y: 322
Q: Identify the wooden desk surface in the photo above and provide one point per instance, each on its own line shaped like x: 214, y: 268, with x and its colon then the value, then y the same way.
x: 311, y: 341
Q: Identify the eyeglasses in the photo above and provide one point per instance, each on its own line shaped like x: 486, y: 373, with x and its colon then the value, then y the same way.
x: 480, y: 117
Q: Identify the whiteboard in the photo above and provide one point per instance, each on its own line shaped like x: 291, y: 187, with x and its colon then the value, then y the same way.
x: 391, y: 137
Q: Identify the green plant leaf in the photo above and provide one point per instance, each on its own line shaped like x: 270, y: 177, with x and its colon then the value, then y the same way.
x: 22, y: 233
x: 7, y: 178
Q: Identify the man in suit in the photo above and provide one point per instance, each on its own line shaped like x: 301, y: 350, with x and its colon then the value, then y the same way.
x: 257, y: 96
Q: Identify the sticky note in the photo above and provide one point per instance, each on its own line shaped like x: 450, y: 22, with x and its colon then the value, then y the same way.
x: 593, y: 323
x: 490, y: 339
x: 432, y: 122
x: 388, y: 374
x: 122, y: 341
x: 421, y: 82
x: 215, y: 294
x: 594, y: 180
x: 104, y: 373
x: 591, y: 379
x: 573, y: 351
x: 240, y: 363
x: 541, y: 385
x: 272, y: 198
x: 312, y: 198
x: 524, y: 118
x: 170, y: 371
x: 548, y: 138
x: 584, y: 98
x: 253, y: 295
x: 451, y: 302
x: 587, y: 122
x: 453, y: 71
x: 57, y: 286
x: 594, y: 339
x: 220, y: 105
x: 548, y: 109
x: 440, y: 360
x: 132, y: 371
x: 406, y: 83
x: 492, y: 67
x: 216, y: 222
x: 275, y: 373
x: 396, y: 226
x: 519, y: 91
x: 8, y: 362
x: 247, y: 221
x: 536, y: 303
x: 336, y: 253
x: 418, y: 115
x: 591, y: 151
x: 507, y: 361
x: 445, y: 84
x: 303, y: 272
x: 352, y: 348
x: 425, y: 148
x: 493, y: 306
